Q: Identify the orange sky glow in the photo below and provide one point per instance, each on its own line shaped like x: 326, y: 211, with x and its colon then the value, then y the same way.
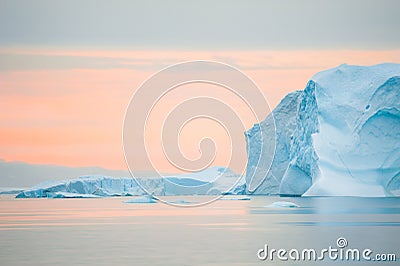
x: 72, y: 113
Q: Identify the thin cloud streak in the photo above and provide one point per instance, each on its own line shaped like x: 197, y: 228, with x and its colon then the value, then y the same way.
x: 149, y: 60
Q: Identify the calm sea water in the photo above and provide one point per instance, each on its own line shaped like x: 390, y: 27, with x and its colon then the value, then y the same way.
x: 107, y: 231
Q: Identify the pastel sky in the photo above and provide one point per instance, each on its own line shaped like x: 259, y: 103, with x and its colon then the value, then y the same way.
x: 68, y: 69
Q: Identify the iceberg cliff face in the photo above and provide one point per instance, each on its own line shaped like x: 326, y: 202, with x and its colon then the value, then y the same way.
x: 303, y: 166
x: 345, y: 139
x: 284, y: 117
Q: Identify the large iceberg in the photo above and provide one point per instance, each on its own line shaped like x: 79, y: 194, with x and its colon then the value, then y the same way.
x: 214, y: 180
x: 338, y: 137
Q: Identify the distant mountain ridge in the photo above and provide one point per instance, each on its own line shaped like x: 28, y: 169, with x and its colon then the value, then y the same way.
x: 21, y: 174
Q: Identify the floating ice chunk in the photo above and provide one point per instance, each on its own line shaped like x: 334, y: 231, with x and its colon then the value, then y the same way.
x: 143, y: 199
x: 181, y: 201
x: 283, y: 204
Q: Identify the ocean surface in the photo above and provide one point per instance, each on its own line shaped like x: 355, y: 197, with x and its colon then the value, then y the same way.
x: 107, y: 231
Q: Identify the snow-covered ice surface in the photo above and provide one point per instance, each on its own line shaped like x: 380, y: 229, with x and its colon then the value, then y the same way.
x: 212, y: 181
x: 338, y: 137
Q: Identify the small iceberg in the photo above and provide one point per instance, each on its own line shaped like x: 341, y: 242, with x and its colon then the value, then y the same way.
x: 283, y: 204
x: 181, y: 201
x: 235, y: 198
x: 144, y: 199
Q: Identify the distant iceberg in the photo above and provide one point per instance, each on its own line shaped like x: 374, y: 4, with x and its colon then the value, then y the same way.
x: 340, y: 136
x: 100, y: 186
x: 214, y: 180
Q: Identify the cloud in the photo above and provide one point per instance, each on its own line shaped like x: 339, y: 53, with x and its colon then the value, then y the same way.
x: 271, y: 24
x: 29, y: 62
